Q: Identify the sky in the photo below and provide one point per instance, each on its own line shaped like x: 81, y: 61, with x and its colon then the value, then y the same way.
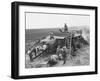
x: 41, y: 20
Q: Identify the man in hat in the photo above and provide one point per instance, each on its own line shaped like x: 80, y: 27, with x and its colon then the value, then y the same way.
x: 64, y: 30
x: 51, y: 35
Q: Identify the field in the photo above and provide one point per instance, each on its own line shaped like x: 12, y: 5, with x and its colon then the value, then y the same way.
x: 31, y: 35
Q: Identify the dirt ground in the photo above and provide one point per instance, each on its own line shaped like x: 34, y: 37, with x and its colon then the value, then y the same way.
x: 81, y: 58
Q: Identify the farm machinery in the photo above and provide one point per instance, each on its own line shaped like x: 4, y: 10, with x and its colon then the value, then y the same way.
x: 69, y: 39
